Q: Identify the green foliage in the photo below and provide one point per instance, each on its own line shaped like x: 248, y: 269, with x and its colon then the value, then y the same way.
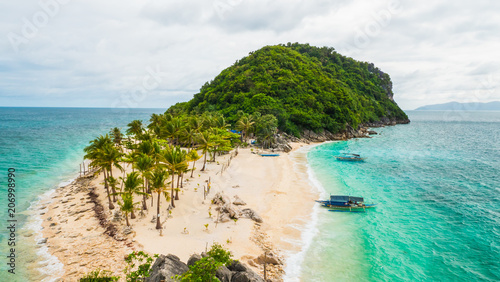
x: 99, y: 276
x: 204, y: 270
x: 304, y: 87
x: 139, y: 266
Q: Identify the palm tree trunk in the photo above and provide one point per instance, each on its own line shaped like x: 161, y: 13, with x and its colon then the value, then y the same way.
x: 182, y: 180
x: 144, y: 206
x: 111, y: 206
x: 192, y: 171
x: 177, y: 188
x: 158, y: 223
x: 126, y: 218
x: 204, y: 161
x: 112, y: 188
x: 132, y: 214
x: 172, y: 194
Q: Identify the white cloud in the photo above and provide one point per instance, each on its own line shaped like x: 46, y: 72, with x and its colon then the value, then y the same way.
x: 94, y: 53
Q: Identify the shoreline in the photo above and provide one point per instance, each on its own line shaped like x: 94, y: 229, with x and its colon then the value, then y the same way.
x: 282, y: 229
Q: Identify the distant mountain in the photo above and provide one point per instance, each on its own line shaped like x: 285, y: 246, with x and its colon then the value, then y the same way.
x: 455, y: 106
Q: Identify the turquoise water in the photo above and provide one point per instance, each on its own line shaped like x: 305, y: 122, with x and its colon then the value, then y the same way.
x: 45, y: 146
x: 436, y: 182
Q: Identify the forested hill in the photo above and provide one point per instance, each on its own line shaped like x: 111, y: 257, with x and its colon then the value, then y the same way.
x: 305, y: 87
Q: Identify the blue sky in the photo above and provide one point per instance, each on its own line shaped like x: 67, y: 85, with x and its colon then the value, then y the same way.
x: 112, y: 53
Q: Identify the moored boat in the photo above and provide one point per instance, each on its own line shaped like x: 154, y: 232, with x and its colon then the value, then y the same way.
x: 346, y: 203
x: 350, y: 157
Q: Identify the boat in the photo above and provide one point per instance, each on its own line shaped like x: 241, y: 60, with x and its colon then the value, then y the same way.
x: 341, y: 203
x: 269, y: 155
x: 350, y: 157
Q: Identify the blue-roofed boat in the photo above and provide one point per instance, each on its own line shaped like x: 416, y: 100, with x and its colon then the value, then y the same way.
x: 350, y: 157
x: 341, y: 203
x: 269, y: 155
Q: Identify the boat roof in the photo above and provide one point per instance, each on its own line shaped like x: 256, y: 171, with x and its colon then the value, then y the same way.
x: 341, y: 198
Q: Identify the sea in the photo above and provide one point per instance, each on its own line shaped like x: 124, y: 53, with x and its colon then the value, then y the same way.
x: 435, y: 182
x: 45, y: 148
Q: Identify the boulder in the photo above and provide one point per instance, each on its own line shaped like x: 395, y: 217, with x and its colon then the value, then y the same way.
x: 246, y: 277
x: 166, y: 267
x: 237, y: 266
x: 224, y: 217
x: 223, y: 274
x: 193, y: 259
x: 42, y: 241
x: 220, y: 199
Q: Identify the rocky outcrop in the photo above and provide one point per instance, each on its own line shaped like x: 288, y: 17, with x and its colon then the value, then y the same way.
x: 166, y: 267
x: 228, y: 210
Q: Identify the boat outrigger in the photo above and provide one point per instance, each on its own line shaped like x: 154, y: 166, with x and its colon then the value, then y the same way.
x: 340, y: 203
x: 350, y: 157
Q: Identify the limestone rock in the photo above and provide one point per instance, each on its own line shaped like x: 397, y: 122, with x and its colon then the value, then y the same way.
x: 42, y: 241
x: 223, y: 274
x: 165, y: 267
x: 249, y: 213
x: 193, y: 259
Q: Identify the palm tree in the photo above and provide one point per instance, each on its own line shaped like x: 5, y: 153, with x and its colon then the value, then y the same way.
x: 158, y: 178
x: 111, y: 157
x: 117, y: 136
x: 144, y: 165
x: 135, y: 128
x: 175, y: 159
x: 133, y: 186
x: 127, y: 205
x: 205, y: 143
x: 245, y: 124
x: 95, y: 153
x: 193, y: 156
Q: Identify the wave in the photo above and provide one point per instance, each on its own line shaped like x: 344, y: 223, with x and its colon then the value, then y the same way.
x: 294, y: 261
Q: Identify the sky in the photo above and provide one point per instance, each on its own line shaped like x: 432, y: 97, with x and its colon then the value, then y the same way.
x: 152, y: 53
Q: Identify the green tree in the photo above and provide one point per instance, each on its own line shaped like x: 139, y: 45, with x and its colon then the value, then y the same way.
x: 158, y: 179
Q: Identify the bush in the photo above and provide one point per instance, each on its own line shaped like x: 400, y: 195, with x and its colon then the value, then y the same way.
x: 99, y: 276
x: 204, y: 270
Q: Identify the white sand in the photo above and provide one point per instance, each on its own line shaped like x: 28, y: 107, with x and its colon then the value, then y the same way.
x: 276, y: 188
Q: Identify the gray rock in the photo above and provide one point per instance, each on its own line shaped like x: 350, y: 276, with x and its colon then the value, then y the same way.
x: 224, y: 217
x: 42, y: 241
x: 127, y: 230
x: 166, y: 267
x: 246, y: 277
x: 223, y: 274
x: 193, y: 259
x: 237, y: 266
x: 249, y: 213
x: 237, y: 201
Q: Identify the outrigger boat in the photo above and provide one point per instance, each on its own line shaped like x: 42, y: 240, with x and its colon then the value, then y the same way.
x: 350, y: 157
x: 340, y: 203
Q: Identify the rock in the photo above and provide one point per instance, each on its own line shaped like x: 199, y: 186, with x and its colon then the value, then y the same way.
x: 248, y: 276
x: 223, y: 274
x: 249, y: 213
x: 270, y: 258
x: 42, y: 241
x: 237, y: 266
x: 224, y: 217
x: 237, y: 201
x: 166, y: 267
x: 127, y: 230
x: 52, y: 224
x: 220, y: 199
x: 371, y: 132
x: 153, y: 220
x: 193, y: 259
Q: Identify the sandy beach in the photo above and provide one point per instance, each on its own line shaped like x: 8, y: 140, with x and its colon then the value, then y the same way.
x: 276, y: 188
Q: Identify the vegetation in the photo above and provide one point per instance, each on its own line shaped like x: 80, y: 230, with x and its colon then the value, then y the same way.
x: 99, y: 276
x: 138, y: 266
x: 304, y: 87
x: 204, y: 270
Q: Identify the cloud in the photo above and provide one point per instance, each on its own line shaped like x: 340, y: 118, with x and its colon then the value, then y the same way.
x: 96, y: 53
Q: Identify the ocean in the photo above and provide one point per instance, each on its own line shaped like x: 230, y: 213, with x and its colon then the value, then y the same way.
x: 45, y: 147
x: 436, y: 182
